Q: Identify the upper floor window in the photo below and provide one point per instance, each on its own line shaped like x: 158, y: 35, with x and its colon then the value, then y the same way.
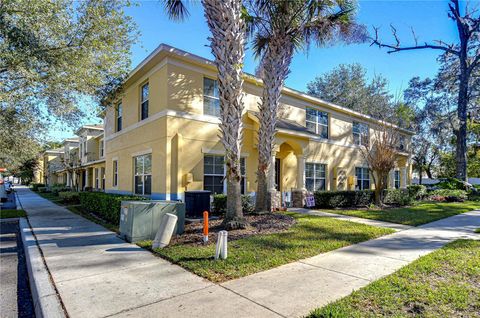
x: 143, y: 174
x: 315, y: 176
x: 360, y: 133
x: 401, y: 143
x: 317, y: 122
x: 363, y: 178
x: 397, y: 179
x: 118, y: 117
x: 211, y: 101
x: 214, y: 174
x: 101, y: 148
x: 144, y: 102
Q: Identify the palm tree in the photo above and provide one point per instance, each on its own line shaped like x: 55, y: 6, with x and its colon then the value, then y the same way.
x: 227, y: 43
x: 279, y: 29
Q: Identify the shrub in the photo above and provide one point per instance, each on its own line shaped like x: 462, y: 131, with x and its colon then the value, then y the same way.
x: 59, y: 188
x: 69, y: 197
x: 417, y: 191
x: 398, y: 197
x: 219, y: 206
x: 43, y: 189
x: 339, y: 199
x: 448, y: 195
x: 35, y: 186
x: 105, y: 205
x: 451, y: 184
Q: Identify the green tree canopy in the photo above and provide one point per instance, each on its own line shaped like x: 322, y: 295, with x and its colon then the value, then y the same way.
x: 347, y: 85
x: 54, y: 55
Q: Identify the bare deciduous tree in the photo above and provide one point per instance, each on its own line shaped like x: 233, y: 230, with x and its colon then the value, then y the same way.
x: 466, y: 52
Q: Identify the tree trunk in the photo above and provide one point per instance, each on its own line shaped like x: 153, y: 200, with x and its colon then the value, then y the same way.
x: 461, y: 146
x: 225, y: 22
x: 420, y: 174
x: 274, y: 69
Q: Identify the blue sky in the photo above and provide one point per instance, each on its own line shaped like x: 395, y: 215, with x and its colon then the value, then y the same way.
x: 427, y: 18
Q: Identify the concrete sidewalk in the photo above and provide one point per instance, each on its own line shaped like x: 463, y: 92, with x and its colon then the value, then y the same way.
x: 395, y: 226
x: 100, y: 275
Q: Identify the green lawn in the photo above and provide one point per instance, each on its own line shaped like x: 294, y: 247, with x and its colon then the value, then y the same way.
x: 50, y: 196
x: 445, y: 283
x: 6, y: 214
x: 420, y: 213
x: 311, y: 235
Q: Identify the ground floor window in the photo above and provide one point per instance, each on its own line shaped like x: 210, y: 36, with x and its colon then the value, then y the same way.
x: 214, y: 174
x: 103, y: 178
x: 363, y: 178
x: 397, y: 179
x: 97, y: 175
x: 143, y: 174
x: 315, y: 176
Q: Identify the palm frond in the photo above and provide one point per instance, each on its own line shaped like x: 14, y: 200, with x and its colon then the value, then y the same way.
x: 176, y: 9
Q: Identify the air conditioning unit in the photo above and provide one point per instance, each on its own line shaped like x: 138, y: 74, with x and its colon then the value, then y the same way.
x: 140, y: 220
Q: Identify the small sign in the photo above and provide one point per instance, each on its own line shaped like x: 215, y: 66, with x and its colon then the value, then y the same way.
x: 310, y: 201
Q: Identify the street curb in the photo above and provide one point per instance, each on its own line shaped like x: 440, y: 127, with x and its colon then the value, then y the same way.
x: 17, y: 201
x: 45, y: 299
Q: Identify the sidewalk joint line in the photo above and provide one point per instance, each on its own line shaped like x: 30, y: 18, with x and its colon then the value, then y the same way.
x: 338, y: 272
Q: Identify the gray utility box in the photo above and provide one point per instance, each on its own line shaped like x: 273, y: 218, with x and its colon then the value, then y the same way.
x: 140, y: 220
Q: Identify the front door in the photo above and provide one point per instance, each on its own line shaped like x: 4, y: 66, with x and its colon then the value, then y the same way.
x: 277, y: 174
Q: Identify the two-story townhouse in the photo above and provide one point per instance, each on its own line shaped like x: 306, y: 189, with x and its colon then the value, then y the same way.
x: 80, y: 162
x: 92, y: 156
x: 161, y: 135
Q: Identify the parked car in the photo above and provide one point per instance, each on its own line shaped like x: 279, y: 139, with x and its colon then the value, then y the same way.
x: 3, y: 192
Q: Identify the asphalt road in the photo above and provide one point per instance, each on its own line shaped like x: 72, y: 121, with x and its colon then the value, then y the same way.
x: 15, y: 297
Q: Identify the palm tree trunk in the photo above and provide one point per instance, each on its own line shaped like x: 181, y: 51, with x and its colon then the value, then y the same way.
x: 227, y: 43
x: 274, y: 69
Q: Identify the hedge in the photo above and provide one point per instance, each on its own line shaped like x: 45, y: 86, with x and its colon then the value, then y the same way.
x: 69, y: 196
x: 59, y: 188
x: 398, y: 197
x: 35, y: 186
x: 448, y: 195
x: 105, y: 205
x: 417, y: 191
x: 219, y: 206
x: 342, y: 199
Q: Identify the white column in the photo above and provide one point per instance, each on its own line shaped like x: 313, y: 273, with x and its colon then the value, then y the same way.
x: 300, y: 172
x: 86, y: 178
x: 392, y: 179
x: 68, y: 179
x: 403, y: 178
x: 271, y: 174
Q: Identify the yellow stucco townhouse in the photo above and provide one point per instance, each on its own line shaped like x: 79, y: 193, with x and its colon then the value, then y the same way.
x: 161, y: 135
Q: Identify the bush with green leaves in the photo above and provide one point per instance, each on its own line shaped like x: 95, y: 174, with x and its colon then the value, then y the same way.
x: 417, y: 191
x: 69, y: 197
x: 219, y: 206
x: 398, y: 197
x: 56, y: 189
x: 35, y: 186
x: 106, y: 205
x: 448, y: 195
x: 342, y: 199
x: 43, y: 189
x: 451, y: 184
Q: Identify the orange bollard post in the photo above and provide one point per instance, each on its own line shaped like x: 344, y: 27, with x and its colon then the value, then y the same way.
x: 205, y: 227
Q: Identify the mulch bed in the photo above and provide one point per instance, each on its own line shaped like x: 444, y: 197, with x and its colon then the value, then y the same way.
x: 259, y: 224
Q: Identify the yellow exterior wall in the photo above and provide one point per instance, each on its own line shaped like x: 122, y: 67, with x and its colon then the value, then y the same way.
x: 178, y: 134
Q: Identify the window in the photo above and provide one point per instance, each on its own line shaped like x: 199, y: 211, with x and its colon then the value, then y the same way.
x: 211, y: 101
x: 144, y: 102
x: 101, y: 146
x: 97, y: 176
x: 115, y: 173
x: 143, y: 174
x: 363, y: 178
x: 401, y: 143
x: 103, y: 178
x: 214, y: 174
x: 317, y: 122
x: 397, y: 179
x: 118, y: 116
x: 84, y: 141
x: 360, y: 134
x: 315, y: 176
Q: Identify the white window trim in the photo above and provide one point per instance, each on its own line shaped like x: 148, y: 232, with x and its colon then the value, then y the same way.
x: 209, y: 96
x: 360, y: 134
x: 142, y: 152
x: 395, y: 179
x: 134, y: 175
x: 114, y: 160
x: 317, y: 123
x: 120, y: 103
x: 143, y: 101
x: 305, y: 174
x: 369, y: 178
x: 225, y: 171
